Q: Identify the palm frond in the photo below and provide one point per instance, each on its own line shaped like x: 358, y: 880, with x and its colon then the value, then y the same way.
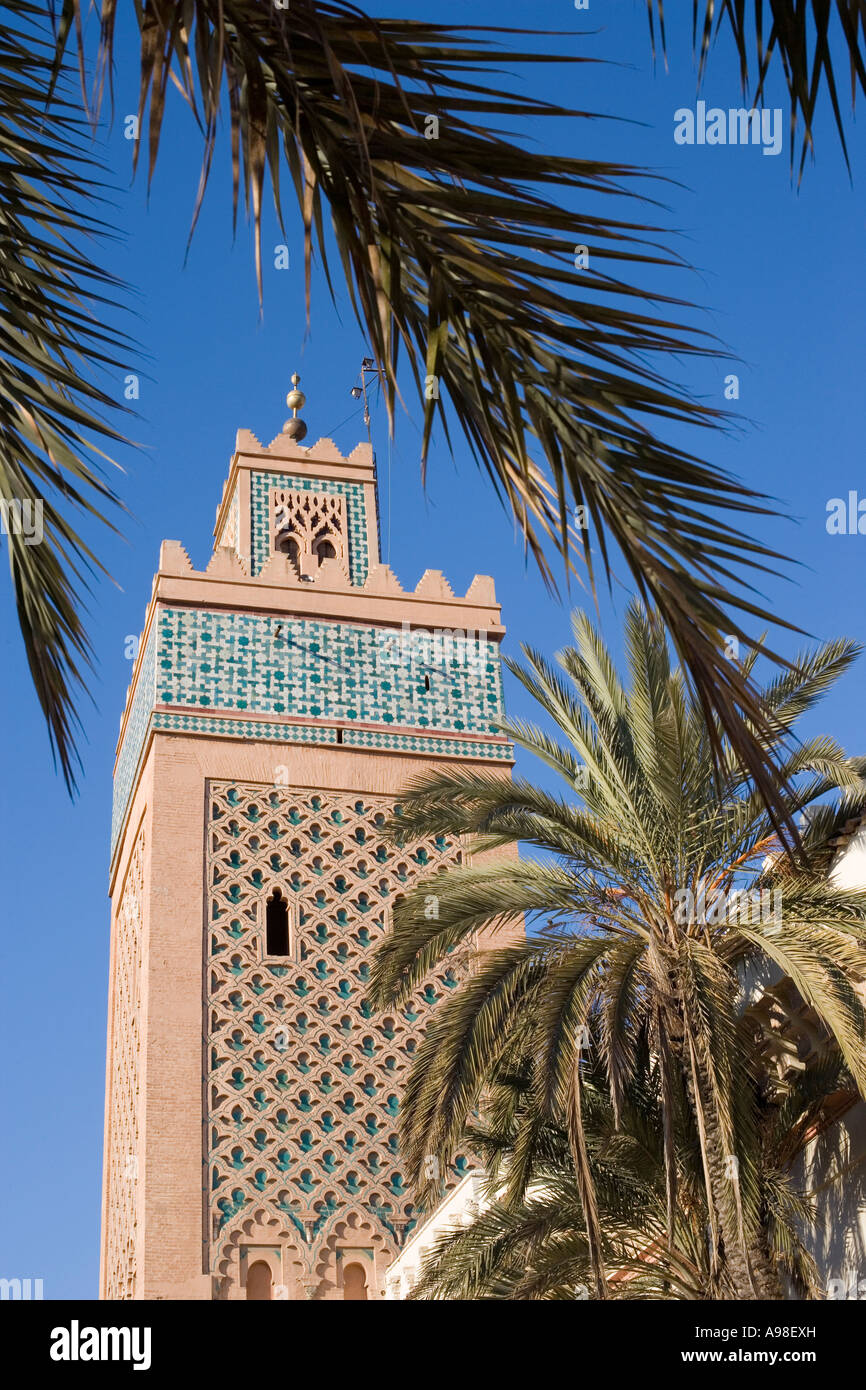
x: 457, y: 254
x: 54, y: 348
x: 626, y: 1026
x: 798, y: 38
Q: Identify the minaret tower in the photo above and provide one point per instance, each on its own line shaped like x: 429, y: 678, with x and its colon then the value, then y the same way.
x: 280, y: 700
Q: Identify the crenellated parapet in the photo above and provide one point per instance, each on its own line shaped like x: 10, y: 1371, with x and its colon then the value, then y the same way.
x: 329, y: 593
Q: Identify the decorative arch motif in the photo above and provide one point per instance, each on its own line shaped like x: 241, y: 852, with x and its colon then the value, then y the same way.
x: 262, y: 1237
x: 353, y: 1230
x: 310, y: 527
x: 304, y: 1079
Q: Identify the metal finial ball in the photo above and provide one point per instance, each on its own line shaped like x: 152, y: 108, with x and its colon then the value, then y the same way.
x: 295, y: 429
x: 296, y: 400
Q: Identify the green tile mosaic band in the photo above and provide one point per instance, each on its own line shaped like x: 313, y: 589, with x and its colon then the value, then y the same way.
x: 137, y: 728
x: 323, y: 670
x: 243, y: 728
x: 441, y: 747
x: 352, y: 738
x: 259, y: 664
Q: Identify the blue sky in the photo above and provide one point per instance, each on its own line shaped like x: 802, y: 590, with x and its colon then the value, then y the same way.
x: 780, y: 280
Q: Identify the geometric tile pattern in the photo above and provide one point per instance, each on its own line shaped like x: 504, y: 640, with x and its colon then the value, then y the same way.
x: 136, y: 732
x: 258, y: 665
x: 262, y: 485
x: 303, y: 1079
x: 322, y: 670
x: 124, y: 1041
x: 243, y: 728
x: 440, y: 747
x: 313, y: 734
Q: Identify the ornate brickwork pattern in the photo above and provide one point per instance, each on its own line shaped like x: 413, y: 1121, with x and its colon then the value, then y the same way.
x: 301, y: 522
x: 323, y: 670
x: 303, y: 1079
x: 121, y: 1180
x: 265, y: 486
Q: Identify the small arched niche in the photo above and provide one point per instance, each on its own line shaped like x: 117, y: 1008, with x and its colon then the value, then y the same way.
x: 288, y: 545
x: 259, y: 1287
x: 354, y: 1283
x: 276, y: 925
x: 324, y: 549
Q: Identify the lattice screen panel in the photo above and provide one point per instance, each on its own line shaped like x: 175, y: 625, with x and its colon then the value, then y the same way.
x: 303, y: 1079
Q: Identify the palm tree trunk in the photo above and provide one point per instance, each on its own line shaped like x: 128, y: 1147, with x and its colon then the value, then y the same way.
x: 732, y: 1274
x: 766, y: 1276
x: 722, y: 1174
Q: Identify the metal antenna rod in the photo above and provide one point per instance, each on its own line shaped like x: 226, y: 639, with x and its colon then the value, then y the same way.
x: 368, y: 367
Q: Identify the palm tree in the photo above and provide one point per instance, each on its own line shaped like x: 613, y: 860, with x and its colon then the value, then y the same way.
x: 454, y: 252
x: 637, y: 922
x: 529, y: 1239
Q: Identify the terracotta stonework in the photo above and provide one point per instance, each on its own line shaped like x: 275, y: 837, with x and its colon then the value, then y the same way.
x: 280, y: 701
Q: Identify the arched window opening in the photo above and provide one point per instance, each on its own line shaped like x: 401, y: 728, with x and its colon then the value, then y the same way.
x: 277, y: 925
x: 259, y: 1282
x: 325, y: 550
x: 354, y: 1284
x: 289, y: 546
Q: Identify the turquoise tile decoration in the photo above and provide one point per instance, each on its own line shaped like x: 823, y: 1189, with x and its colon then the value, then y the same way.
x: 261, y: 485
x: 136, y: 732
x: 443, y: 747
x: 262, y: 664
x: 243, y: 728
x: 240, y: 674
x: 352, y: 738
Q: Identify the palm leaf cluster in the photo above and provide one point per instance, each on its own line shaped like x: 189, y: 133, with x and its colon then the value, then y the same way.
x: 528, y: 1241
x: 54, y: 350
x: 619, y: 945
x: 459, y: 254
